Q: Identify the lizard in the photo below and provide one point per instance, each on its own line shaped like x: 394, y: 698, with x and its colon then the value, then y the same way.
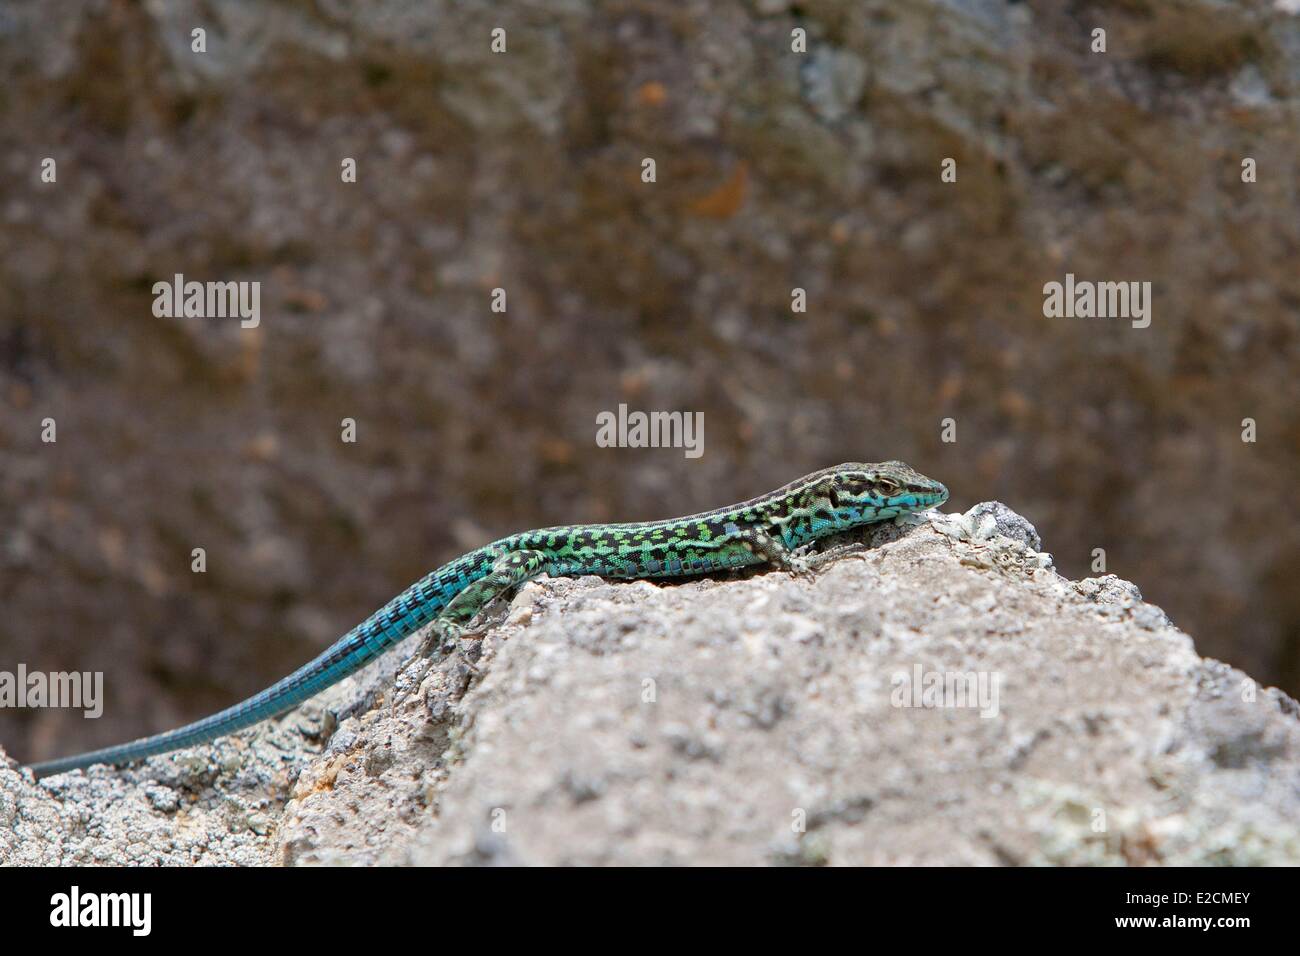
x: 775, y: 529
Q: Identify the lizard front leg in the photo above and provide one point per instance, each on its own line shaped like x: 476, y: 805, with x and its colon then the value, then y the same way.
x: 775, y: 552
x: 772, y: 550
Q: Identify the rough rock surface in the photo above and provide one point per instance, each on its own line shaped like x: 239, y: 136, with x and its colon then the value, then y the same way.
x: 746, y: 720
x: 521, y: 171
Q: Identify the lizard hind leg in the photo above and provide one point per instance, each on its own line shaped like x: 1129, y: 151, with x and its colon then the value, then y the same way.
x: 510, y: 570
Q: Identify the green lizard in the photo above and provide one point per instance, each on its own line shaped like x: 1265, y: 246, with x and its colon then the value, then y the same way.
x: 769, y: 529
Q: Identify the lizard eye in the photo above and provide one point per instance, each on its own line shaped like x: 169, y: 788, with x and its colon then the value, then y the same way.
x: 886, y: 487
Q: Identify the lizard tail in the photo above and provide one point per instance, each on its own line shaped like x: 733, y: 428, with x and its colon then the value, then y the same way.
x: 398, y: 619
x: 345, y: 656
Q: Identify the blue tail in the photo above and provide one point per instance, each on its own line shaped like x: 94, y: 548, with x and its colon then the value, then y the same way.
x: 399, y: 618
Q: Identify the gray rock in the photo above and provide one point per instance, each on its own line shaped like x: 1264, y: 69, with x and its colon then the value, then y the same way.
x: 930, y: 700
x: 995, y: 517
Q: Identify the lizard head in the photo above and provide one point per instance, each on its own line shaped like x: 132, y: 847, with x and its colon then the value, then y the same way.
x: 885, y: 489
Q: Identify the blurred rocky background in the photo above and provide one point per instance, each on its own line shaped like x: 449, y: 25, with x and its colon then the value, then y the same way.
x: 522, y: 170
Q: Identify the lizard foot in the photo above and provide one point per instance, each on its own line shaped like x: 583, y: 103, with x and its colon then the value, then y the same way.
x: 442, y: 640
x: 813, y: 561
